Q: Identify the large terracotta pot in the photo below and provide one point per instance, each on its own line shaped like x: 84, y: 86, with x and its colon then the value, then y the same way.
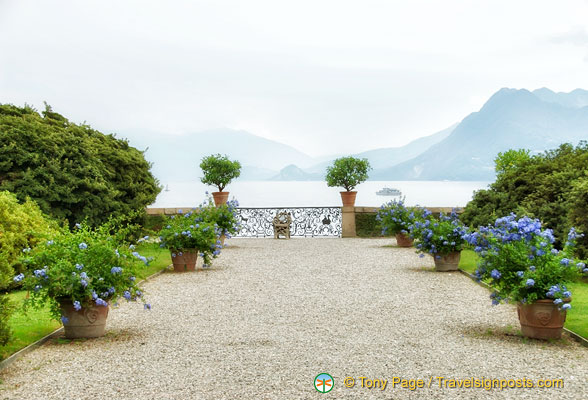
x: 184, y: 260
x: 222, y: 239
x: 220, y: 198
x: 348, y: 198
x: 447, y: 262
x: 89, y: 322
x: 541, y: 320
x: 403, y: 240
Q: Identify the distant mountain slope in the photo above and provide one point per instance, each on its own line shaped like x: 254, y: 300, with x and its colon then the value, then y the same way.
x: 575, y: 99
x: 511, y: 119
x: 177, y: 158
x: 293, y: 173
x: 388, y: 157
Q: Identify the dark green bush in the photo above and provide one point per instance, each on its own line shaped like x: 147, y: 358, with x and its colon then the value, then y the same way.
x: 366, y: 225
x: 72, y: 171
x: 551, y: 187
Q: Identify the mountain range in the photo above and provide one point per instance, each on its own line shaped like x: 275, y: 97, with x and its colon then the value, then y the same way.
x: 510, y: 119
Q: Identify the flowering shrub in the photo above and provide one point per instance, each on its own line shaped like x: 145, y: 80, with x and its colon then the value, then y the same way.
x: 517, y: 256
x: 84, y: 266
x: 438, y: 236
x: 395, y: 217
x: 224, y: 216
x: 191, y: 231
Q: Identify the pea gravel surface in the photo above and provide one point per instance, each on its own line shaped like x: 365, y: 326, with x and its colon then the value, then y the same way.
x: 270, y: 315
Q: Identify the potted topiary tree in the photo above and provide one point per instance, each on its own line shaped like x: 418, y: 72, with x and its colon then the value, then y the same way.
x: 348, y: 172
x: 219, y: 171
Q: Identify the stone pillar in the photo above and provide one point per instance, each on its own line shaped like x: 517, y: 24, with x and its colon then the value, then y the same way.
x: 348, y: 222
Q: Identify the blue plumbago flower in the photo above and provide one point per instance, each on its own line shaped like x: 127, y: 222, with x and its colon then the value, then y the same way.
x: 38, y: 287
x: 116, y: 270
x: 116, y: 252
x: 64, y: 319
x: 581, y: 265
x: 554, y: 251
x: 532, y: 268
x: 565, y: 261
x: 94, y: 295
x: 79, y: 266
x: 78, y: 226
x: 216, y: 252
x: 180, y: 254
x: 520, y: 274
x: 139, y: 293
x: 77, y: 305
x: 83, y: 275
x: 41, y: 273
x: 173, y: 255
x: 83, y: 246
x: 18, y: 277
x: 180, y: 211
x: 84, y: 283
x: 132, y: 279
x: 530, y: 282
x: 566, y: 306
x: 495, y: 274
x: 127, y: 295
x: 100, y: 302
x: 421, y: 255
x: 147, y: 306
x: 557, y: 301
x: 567, y: 294
x: 131, y: 247
x: 49, y: 242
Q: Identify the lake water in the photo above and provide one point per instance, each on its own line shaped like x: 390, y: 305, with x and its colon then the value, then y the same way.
x: 314, y: 194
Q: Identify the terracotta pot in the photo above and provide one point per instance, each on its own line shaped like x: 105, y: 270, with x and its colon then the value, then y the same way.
x: 403, y: 240
x: 89, y: 322
x: 222, y: 239
x: 220, y: 198
x: 185, y: 260
x: 447, y: 262
x: 541, y: 320
x: 348, y: 198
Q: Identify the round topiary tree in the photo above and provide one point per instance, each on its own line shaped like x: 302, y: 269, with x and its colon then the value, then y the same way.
x: 219, y: 171
x: 348, y: 172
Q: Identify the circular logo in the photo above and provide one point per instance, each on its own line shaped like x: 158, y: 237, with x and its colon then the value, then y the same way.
x: 324, y: 383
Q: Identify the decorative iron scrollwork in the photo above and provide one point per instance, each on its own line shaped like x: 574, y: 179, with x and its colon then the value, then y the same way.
x: 306, y: 221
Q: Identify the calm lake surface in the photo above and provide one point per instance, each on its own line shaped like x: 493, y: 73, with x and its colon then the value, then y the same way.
x: 309, y: 194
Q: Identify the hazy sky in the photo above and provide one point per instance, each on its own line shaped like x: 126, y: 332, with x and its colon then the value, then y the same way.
x: 323, y: 76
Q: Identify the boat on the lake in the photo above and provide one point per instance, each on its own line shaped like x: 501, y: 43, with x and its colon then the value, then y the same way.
x: 388, y: 192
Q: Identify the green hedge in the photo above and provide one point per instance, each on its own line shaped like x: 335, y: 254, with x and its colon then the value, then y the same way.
x: 367, y: 226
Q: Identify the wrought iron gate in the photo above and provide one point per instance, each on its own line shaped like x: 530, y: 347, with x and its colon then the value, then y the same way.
x: 306, y: 221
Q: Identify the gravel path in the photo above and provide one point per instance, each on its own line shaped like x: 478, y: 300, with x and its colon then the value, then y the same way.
x: 272, y: 314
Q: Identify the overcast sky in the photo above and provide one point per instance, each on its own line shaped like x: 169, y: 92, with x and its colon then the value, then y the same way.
x: 323, y: 76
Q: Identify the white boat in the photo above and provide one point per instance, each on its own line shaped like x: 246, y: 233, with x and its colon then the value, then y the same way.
x: 389, y: 192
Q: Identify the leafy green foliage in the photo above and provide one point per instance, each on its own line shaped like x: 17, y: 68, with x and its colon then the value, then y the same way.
x: 22, y: 226
x: 551, y: 187
x: 511, y: 160
x: 6, y: 309
x: 366, y: 225
x: 219, y: 171
x: 72, y: 171
x: 84, y: 265
x: 347, y: 172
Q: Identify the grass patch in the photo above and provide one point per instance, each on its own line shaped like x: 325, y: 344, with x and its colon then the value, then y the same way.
x: 576, y: 319
x: 35, y: 324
